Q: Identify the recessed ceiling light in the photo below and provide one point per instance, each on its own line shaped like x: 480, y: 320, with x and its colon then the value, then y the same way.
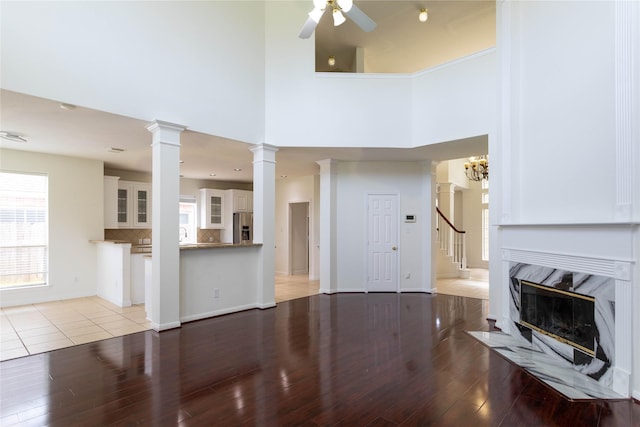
x: 66, y: 106
x: 116, y: 150
x: 237, y: 169
x: 181, y: 161
x: 212, y: 174
x: 283, y: 176
x: 11, y: 136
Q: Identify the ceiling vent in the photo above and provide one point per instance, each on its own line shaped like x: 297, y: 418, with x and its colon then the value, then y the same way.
x: 14, y: 137
x: 116, y: 150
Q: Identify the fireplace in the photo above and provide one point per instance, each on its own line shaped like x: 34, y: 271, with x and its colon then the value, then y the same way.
x: 566, y: 316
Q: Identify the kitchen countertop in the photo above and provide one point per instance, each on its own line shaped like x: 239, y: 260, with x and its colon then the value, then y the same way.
x: 115, y: 242
x: 146, y: 249
x: 217, y: 245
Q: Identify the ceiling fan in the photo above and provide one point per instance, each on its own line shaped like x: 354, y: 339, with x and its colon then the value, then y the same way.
x: 337, y: 7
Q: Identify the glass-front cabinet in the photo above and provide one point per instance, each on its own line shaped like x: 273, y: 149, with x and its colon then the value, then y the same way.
x: 124, y: 219
x: 212, y: 208
x: 134, y: 205
x: 142, y: 206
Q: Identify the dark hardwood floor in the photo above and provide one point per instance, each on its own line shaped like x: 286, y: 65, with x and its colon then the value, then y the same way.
x: 339, y: 360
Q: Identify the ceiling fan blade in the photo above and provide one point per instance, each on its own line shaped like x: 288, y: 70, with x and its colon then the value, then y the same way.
x: 361, y: 19
x: 307, y: 29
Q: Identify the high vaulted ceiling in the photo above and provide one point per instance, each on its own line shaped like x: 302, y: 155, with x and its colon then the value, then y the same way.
x: 399, y: 44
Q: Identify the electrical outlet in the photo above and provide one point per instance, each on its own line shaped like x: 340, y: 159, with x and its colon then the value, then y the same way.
x: 216, y: 293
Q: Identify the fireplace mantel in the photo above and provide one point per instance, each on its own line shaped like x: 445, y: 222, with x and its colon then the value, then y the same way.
x: 606, y: 279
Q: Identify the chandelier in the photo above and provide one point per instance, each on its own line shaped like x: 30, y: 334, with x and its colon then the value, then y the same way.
x: 477, y: 168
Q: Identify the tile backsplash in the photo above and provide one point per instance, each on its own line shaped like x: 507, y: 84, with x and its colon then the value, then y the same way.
x: 134, y: 235
x: 208, y: 236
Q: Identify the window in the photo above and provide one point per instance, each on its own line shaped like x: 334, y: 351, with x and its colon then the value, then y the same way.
x: 23, y: 229
x: 188, y: 229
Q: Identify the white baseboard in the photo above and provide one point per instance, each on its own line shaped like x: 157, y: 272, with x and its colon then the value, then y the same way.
x: 165, y: 326
x: 214, y: 313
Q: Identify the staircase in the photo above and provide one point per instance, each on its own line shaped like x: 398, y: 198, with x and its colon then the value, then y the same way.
x: 452, y: 244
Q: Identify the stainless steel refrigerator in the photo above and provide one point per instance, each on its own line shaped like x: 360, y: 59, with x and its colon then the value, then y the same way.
x: 243, y: 227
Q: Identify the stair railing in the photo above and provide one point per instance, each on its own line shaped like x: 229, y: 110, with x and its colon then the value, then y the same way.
x: 451, y: 240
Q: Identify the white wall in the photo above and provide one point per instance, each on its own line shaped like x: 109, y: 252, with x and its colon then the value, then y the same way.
x: 113, y: 275
x: 75, y: 216
x: 568, y: 147
x: 325, y: 109
x: 563, y: 112
x: 455, y: 100
x: 170, y: 60
x: 294, y: 191
x: 410, y: 182
x: 233, y: 271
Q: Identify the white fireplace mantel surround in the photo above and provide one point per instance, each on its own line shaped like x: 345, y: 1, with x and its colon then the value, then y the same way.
x: 581, y: 249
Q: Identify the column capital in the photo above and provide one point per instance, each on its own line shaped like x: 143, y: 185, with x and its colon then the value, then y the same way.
x: 327, y: 165
x: 165, y: 132
x: 264, y: 153
x: 446, y: 187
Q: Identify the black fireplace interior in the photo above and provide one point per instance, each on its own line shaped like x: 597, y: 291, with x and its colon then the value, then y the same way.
x: 565, y: 315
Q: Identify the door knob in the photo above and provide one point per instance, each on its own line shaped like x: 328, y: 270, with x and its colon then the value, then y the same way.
x: 393, y: 248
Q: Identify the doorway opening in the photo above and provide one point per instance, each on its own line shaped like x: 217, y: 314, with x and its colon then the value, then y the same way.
x: 298, y: 238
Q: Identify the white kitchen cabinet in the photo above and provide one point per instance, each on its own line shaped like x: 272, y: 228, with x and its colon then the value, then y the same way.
x: 127, y: 204
x: 124, y: 204
x: 242, y: 200
x: 111, y: 202
x: 212, y: 206
x: 141, y: 198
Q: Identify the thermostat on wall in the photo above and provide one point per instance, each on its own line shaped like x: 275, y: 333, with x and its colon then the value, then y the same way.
x: 409, y: 218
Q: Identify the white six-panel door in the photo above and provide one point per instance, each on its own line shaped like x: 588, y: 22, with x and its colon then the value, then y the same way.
x: 382, y: 247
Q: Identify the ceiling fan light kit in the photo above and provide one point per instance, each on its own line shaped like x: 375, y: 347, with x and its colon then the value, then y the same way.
x: 337, y: 7
x: 338, y: 17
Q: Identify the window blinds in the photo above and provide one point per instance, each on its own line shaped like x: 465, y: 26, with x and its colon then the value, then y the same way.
x: 23, y: 229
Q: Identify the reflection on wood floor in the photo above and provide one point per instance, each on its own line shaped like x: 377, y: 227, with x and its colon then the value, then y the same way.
x: 356, y: 359
x: 37, y: 328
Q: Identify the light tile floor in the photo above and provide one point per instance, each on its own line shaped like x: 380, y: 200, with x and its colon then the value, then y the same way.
x: 292, y: 287
x: 37, y: 328
x: 476, y: 286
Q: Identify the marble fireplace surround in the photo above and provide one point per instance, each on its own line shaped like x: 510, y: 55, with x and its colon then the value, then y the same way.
x: 608, y: 281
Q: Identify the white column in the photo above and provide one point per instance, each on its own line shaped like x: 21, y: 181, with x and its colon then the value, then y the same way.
x: 165, y: 253
x: 430, y: 250
x: 264, y: 220
x: 328, y: 220
x: 446, y: 199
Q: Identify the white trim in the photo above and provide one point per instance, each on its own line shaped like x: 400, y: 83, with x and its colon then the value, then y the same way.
x: 165, y: 326
x: 624, y: 107
x: 616, y: 268
x: 214, y: 313
x: 418, y: 290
